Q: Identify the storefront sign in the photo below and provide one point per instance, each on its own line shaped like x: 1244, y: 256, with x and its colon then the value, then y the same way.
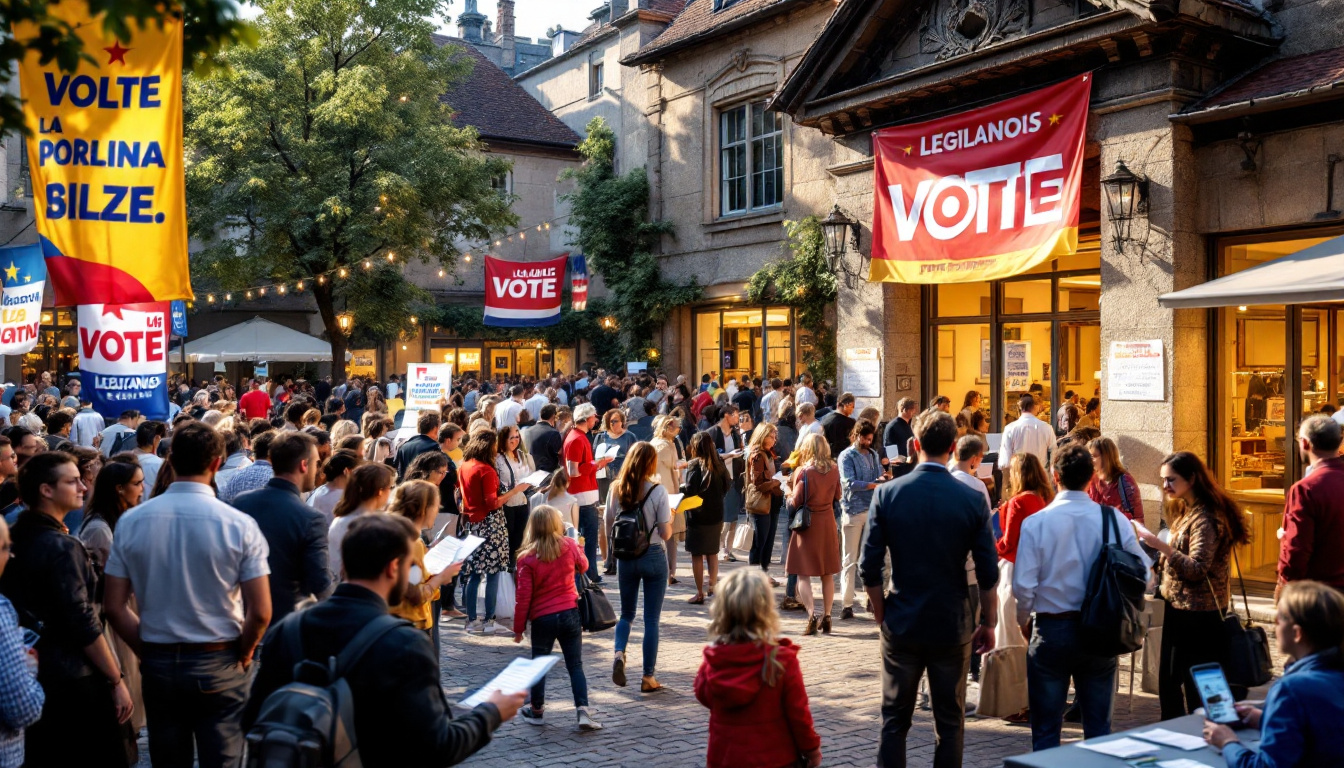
x: 1136, y: 371
x: 863, y: 372
x: 981, y: 195
x: 261, y: 370
x: 107, y: 162
x: 523, y: 294
x: 426, y: 384
x: 1016, y: 366
x: 123, y: 352
x: 22, y: 275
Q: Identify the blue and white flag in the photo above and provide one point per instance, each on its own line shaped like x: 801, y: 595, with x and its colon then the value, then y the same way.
x: 23, y: 273
x: 578, y: 287
x: 178, y: 310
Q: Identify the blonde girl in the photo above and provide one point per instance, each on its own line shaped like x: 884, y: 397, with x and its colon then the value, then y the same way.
x: 418, y: 501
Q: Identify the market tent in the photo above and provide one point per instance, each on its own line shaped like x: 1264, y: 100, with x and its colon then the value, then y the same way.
x: 1311, y: 275
x: 258, y: 340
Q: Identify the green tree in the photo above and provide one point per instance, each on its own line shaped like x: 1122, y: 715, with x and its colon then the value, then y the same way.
x: 611, y: 214
x: 327, y: 147
x: 209, y: 27
x: 802, y: 280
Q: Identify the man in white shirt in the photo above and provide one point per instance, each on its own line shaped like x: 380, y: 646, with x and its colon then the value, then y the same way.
x: 807, y: 421
x: 770, y: 404
x: 970, y: 451
x: 1062, y: 415
x: 127, y: 422
x: 198, y: 570
x: 804, y: 393
x: 88, y: 425
x: 536, y: 402
x: 1026, y: 435
x: 1055, y: 554
x: 147, y: 439
x: 506, y: 412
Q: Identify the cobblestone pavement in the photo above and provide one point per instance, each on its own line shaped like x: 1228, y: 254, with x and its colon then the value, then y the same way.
x: 669, y: 728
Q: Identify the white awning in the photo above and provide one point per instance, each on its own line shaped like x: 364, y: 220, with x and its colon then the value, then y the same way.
x: 1311, y: 275
x: 258, y: 340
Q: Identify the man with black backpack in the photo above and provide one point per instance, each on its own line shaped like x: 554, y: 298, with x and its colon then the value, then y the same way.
x: 387, y: 688
x: 1057, y: 578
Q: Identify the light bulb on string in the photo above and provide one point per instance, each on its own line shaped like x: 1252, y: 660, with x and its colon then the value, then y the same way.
x: 210, y: 298
x: 548, y: 225
x: 249, y: 294
x: 343, y: 272
x: 282, y: 289
x: 467, y: 258
x: 367, y: 264
x: 522, y: 235
x: 391, y: 256
x: 262, y: 291
x: 441, y: 273
x: 321, y: 280
x: 299, y: 286
x: 228, y: 297
x: 496, y: 243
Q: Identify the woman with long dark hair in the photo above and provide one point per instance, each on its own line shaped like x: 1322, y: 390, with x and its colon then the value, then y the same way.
x: 706, y: 477
x: 369, y: 488
x: 637, y: 488
x: 1206, y: 524
x: 513, y: 464
x: 1111, y: 483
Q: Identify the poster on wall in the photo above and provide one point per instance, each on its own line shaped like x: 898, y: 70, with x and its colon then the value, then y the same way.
x: 1016, y: 366
x: 107, y: 162
x: 863, y: 372
x: 523, y: 294
x: 23, y: 276
x: 983, y: 194
x: 1136, y: 371
x: 123, y: 357
x: 426, y: 383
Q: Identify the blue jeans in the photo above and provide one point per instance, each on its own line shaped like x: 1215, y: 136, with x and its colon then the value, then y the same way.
x: 491, y: 593
x: 1055, y: 655
x: 651, y: 571
x: 565, y: 627
x: 791, y: 583
x: 194, y: 707
x: 588, y: 526
x: 763, y: 537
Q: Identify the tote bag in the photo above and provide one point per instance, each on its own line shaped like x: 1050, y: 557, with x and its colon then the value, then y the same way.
x: 595, y: 611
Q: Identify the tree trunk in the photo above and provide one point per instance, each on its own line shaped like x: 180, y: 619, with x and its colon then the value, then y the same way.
x: 326, y: 307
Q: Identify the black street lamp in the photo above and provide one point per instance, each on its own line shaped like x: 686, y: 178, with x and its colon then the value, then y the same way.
x: 840, y: 230
x: 1126, y: 196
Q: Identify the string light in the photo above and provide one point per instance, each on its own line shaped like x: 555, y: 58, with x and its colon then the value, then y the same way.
x: 442, y: 273
x: 321, y: 280
x: 522, y: 235
x: 249, y: 294
x: 210, y: 298
x: 391, y: 256
x: 262, y: 291
x: 299, y: 286
x: 282, y: 289
x: 228, y: 297
x: 467, y: 258
x: 367, y: 264
x: 413, y: 320
x: 343, y: 272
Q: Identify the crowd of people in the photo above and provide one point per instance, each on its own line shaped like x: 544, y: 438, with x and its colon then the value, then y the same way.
x: 155, y: 560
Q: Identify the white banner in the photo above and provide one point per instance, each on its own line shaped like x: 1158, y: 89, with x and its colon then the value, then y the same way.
x: 123, y: 352
x: 23, y: 273
x: 426, y: 383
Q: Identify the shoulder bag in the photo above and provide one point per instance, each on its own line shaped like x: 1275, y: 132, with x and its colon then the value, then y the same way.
x: 1249, y: 662
x: 756, y: 502
x: 801, y: 519
x: 595, y: 611
x: 1112, y: 612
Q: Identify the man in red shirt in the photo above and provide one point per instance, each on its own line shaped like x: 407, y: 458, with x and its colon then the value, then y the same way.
x: 1313, y: 519
x: 582, y: 471
x: 255, y: 404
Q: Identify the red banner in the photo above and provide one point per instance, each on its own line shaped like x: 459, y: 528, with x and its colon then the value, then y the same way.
x: 523, y: 294
x: 981, y: 195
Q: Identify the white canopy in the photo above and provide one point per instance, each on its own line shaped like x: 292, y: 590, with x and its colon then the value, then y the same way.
x: 258, y: 340
x: 1311, y: 275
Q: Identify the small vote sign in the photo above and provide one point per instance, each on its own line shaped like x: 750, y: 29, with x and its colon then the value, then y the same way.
x: 123, y: 352
x: 523, y: 294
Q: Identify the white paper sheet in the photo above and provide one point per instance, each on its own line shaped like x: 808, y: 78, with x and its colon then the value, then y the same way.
x: 608, y: 450
x: 994, y: 439
x: 538, y: 478
x: 674, y: 500
x: 450, y: 550
x: 894, y: 452
x: 1183, y: 741
x: 985, y: 470
x: 520, y: 675
x: 780, y: 477
x: 1123, y: 748
x: 1181, y: 762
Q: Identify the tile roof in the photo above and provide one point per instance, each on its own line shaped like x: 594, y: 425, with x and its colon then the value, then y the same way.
x: 496, y: 106
x: 698, y: 20
x: 1308, y: 76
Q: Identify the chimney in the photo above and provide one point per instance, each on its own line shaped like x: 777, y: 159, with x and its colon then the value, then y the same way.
x: 507, y: 53
x: 619, y: 8
x: 470, y: 23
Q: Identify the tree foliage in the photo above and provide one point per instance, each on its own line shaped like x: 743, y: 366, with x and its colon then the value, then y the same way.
x: 327, y: 146
x: 803, y: 281
x: 209, y: 27
x: 611, y: 214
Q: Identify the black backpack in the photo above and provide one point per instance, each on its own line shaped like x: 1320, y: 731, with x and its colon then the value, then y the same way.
x: 630, y: 532
x: 124, y: 442
x: 1112, y: 614
x: 310, y: 723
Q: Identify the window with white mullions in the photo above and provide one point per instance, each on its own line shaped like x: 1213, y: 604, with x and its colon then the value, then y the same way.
x: 751, y: 159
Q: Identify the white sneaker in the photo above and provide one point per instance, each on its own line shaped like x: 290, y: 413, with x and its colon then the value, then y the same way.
x: 489, y: 628
x: 586, y: 721
x: 474, y: 627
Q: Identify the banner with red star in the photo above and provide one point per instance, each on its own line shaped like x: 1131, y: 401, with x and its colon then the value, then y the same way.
x: 106, y: 159
x: 984, y: 194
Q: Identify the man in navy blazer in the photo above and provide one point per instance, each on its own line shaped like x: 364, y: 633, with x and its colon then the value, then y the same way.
x: 929, y: 523
x: 295, y: 532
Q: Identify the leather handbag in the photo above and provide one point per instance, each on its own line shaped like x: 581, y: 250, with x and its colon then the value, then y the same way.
x: 1249, y: 662
x: 801, y: 519
x: 595, y: 611
x: 756, y: 502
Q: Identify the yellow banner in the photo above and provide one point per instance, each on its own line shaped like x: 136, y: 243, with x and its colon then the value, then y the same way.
x: 991, y: 267
x: 107, y: 165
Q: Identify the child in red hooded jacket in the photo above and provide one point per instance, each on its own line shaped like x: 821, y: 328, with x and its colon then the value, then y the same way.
x: 751, y: 682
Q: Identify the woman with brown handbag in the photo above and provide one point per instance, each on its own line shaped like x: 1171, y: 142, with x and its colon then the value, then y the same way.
x: 763, y: 495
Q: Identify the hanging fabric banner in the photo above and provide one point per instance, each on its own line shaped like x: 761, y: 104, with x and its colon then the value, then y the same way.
x: 23, y: 273
x: 522, y: 294
x: 123, y: 352
x: 578, y: 287
x: 107, y: 164
x: 981, y: 195
x: 179, y: 313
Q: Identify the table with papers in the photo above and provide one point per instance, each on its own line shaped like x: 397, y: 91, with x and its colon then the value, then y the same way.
x: 1172, y: 744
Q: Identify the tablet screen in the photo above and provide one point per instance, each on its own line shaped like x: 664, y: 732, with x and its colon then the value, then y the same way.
x: 1214, y: 691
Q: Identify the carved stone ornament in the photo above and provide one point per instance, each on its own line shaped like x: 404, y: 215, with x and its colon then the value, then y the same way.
x: 954, y: 27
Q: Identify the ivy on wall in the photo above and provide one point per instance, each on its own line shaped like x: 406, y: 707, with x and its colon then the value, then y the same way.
x: 802, y: 280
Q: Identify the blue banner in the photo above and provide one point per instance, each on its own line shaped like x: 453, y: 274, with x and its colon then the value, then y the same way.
x: 178, y: 310
x: 123, y: 352
x: 23, y: 273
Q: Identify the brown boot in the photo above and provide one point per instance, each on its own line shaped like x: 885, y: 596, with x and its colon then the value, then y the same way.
x: 826, y: 624
x: 811, y: 626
